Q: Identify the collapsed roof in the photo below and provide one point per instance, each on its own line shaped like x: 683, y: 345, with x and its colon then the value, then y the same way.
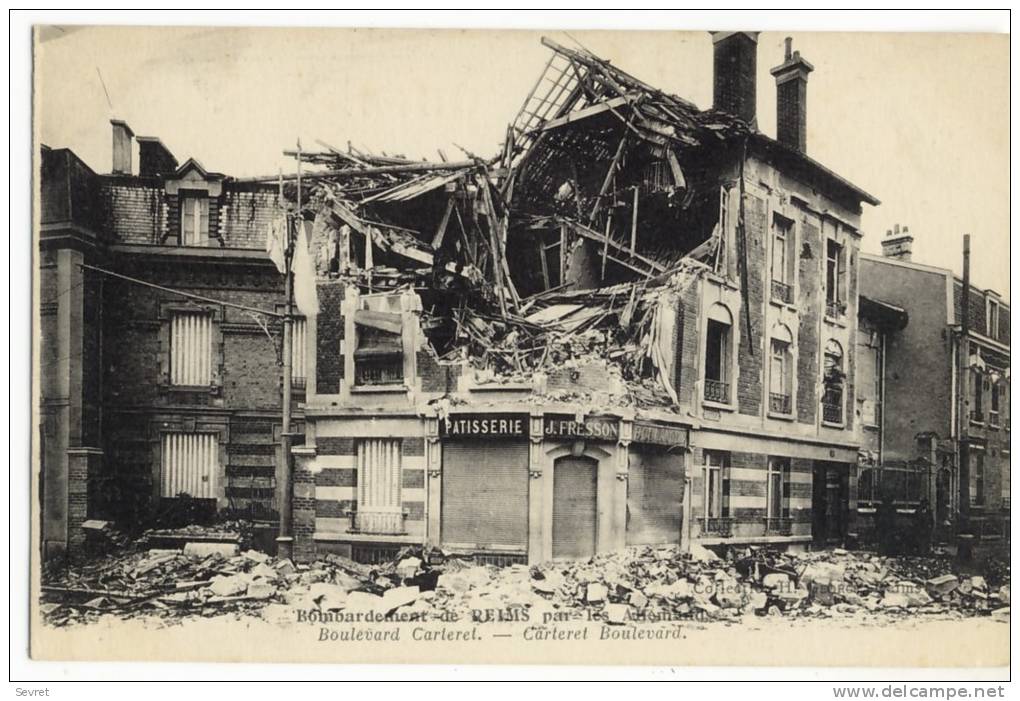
x: 605, y: 190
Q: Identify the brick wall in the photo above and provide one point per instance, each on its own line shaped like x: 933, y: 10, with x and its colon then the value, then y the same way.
x: 135, y: 212
x: 245, y: 215
x: 329, y: 362
x: 809, y: 306
x: 749, y: 385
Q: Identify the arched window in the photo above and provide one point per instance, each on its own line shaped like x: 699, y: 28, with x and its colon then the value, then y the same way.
x: 832, y: 381
x: 781, y: 371
x: 718, y: 337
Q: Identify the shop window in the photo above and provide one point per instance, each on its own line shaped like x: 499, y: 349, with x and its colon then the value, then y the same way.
x: 716, y: 497
x: 379, y: 501
x: 835, y: 280
x: 781, y: 372
x: 379, y: 351
x: 782, y: 259
x: 194, y: 221
x: 832, y: 383
x: 718, y: 341
x: 191, y: 349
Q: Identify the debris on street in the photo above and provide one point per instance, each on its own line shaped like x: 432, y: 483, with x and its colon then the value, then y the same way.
x: 638, y: 585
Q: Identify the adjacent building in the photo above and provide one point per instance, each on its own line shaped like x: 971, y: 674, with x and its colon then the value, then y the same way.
x: 943, y: 395
x: 155, y: 406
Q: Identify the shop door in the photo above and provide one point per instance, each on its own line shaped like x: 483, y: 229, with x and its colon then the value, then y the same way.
x: 574, y: 508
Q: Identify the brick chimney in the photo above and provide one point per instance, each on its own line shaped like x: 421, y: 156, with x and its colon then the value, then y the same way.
x: 153, y: 157
x: 898, y: 244
x: 791, y: 99
x: 734, y: 74
x: 122, y: 136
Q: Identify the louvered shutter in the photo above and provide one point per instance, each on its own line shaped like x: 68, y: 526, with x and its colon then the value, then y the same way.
x: 191, y: 349
x: 190, y: 465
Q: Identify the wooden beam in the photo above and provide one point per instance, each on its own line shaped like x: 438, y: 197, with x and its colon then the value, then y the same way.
x: 633, y: 223
x: 437, y: 240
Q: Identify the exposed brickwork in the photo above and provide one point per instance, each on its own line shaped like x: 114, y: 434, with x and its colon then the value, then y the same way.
x: 336, y: 477
x: 246, y: 215
x: 335, y: 446
x: 134, y: 211
x: 749, y: 384
x: 329, y: 362
x: 809, y: 310
x: 735, y: 76
x: 413, y: 479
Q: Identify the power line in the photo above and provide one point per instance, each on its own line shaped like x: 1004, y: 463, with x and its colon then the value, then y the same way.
x: 103, y: 83
x: 181, y: 292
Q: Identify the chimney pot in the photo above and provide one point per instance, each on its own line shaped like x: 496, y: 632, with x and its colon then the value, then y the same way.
x: 898, y: 244
x: 791, y: 98
x: 122, y: 136
x: 734, y: 75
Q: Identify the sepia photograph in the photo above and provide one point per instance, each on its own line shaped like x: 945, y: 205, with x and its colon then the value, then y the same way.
x: 520, y: 346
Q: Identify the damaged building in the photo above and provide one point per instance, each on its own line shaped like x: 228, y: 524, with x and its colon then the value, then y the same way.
x: 637, y: 324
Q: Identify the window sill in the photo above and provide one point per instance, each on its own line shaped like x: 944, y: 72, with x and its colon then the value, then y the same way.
x: 380, y: 389
x: 709, y: 404
x: 498, y: 387
x: 975, y: 422
x: 833, y: 424
x: 836, y: 321
x: 873, y: 427
x: 781, y: 417
x: 783, y: 305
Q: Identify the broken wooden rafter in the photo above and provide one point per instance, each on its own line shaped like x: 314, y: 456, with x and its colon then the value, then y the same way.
x: 583, y: 230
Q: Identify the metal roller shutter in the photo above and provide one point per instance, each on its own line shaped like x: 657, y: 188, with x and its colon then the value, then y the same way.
x: 485, y: 494
x: 575, y: 483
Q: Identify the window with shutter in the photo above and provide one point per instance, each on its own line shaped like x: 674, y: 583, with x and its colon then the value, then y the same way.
x: 379, y: 504
x: 190, y: 465
x: 191, y: 349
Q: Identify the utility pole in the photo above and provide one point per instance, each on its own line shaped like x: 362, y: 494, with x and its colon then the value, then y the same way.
x: 963, y: 415
x: 285, y: 539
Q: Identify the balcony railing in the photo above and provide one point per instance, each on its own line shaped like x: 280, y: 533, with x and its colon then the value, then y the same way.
x: 832, y: 413
x: 835, y: 309
x: 778, y: 526
x: 781, y: 292
x: 721, y: 526
x: 779, y: 403
x: 716, y: 391
x: 977, y: 417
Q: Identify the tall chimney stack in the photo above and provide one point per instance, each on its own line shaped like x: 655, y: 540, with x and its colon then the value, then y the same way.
x: 898, y: 244
x: 734, y: 74
x: 791, y: 98
x: 122, y: 136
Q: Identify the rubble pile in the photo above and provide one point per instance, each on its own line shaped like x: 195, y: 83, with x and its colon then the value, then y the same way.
x: 638, y: 585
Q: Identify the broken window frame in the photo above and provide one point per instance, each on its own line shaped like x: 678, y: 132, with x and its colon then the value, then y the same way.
x: 782, y: 271
x: 718, y: 360
x: 387, y: 363
x: 835, y: 279
x: 833, y: 385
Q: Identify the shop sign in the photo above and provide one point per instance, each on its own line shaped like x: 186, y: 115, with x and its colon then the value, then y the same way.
x: 484, y: 425
x: 655, y: 434
x: 591, y: 428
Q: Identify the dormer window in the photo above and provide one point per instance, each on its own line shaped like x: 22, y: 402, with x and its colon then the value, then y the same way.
x: 194, y: 219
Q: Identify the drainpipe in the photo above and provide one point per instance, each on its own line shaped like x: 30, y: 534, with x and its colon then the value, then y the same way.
x: 963, y: 415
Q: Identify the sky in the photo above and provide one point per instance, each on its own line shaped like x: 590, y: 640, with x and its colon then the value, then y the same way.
x: 921, y: 121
